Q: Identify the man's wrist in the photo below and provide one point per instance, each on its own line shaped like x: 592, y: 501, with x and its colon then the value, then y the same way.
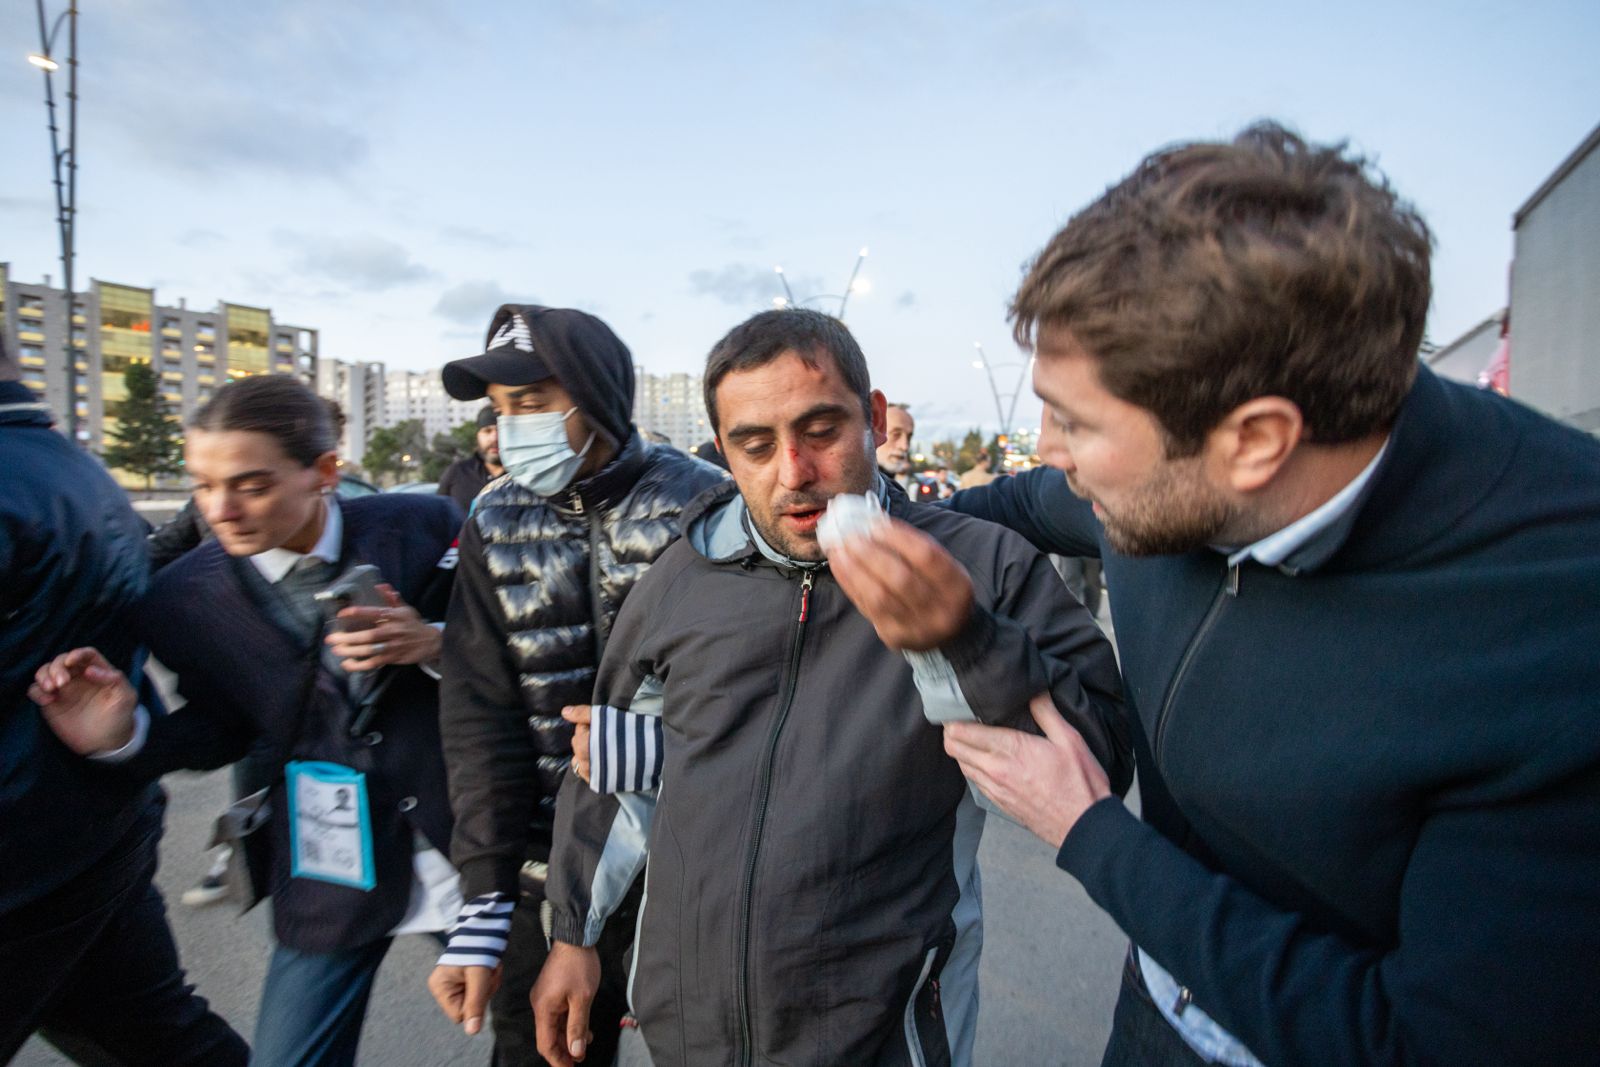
x: 130, y: 743
x: 478, y: 939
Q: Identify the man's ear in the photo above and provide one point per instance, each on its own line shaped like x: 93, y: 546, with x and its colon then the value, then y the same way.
x: 1255, y: 439
x: 327, y: 467
x: 880, y: 418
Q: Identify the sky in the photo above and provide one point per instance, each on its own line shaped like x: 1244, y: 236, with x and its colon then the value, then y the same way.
x: 390, y: 171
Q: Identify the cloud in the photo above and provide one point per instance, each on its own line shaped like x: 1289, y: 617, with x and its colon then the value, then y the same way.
x: 474, y: 235
x: 742, y: 285
x: 472, y: 303
x: 201, y: 238
x: 906, y: 299
x: 28, y: 204
x: 363, y: 262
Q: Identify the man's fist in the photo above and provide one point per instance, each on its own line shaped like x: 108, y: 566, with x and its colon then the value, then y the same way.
x: 463, y: 993
x: 86, y: 701
x: 579, y: 715
x: 561, y: 999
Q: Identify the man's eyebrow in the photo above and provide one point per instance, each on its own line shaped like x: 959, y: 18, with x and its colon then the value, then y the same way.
x: 819, y: 411
x: 265, y: 472
x: 526, y: 390
x: 744, y: 432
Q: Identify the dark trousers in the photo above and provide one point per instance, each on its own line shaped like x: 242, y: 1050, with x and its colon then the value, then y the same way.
x: 1141, y: 1035
x: 515, y: 1039
x: 95, y: 965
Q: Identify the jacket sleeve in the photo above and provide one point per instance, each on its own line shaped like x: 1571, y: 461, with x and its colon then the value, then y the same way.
x: 489, y: 756
x: 1496, y: 922
x: 207, y: 732
x: 602, y: 828
x: 175, y: 536
x: 1027, y: 635
x: 1038, y: 505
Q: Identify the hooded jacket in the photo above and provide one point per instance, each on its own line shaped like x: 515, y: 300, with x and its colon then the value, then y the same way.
x: 540, y: 583
x: 812, y: 893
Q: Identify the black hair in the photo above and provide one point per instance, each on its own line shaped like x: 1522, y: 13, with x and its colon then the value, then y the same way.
x: 274, y: 404
x: 762, y: 338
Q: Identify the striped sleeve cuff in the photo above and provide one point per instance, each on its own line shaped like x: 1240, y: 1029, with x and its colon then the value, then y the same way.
x: 478, y: 939
x: 624, y: 751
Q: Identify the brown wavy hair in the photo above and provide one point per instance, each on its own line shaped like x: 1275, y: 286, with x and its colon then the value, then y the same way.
x: 1220, y: 272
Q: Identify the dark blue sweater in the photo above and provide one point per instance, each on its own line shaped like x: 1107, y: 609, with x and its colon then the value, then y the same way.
x: 1371, y: 792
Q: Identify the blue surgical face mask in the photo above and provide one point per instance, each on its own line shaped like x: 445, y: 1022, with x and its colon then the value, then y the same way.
x: 535, y: 452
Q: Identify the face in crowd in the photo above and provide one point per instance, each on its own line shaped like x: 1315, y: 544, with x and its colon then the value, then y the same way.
x: 795, y: 435
x: 894, y: 455
x: 253, y: 494
x: 489, y: 443
x: 1114, y: 455
x: 542, y: 398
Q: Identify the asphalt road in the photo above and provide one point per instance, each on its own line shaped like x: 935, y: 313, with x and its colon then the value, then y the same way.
x: 1051, y: 959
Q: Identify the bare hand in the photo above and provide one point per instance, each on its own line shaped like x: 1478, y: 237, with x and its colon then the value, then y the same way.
x: 463, y: 993
x: 561, y: 999
x: 395, y: 635
x: 579, y: 715
x: 913, y: 592
x: 1045, y: 783
x: 86, y: 701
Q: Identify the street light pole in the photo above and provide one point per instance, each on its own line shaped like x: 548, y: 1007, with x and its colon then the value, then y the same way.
x: 67, y: 188
x: 1002, y: 412
x: 788, y: 299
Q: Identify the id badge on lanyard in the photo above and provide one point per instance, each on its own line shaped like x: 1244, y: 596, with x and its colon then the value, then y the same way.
x: 330, y: 824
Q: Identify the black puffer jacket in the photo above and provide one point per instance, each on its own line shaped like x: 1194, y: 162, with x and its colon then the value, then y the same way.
x: 540, y: 583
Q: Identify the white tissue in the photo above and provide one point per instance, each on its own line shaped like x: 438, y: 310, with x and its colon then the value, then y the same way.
x: 849, y: 516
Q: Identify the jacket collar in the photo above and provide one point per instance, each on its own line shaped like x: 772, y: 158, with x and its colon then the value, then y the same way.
x: 19, y: 406
x: 1448, y: 449
x: 609, y: 484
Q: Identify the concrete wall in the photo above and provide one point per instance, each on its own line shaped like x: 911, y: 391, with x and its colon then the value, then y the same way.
x: 1555, y: 294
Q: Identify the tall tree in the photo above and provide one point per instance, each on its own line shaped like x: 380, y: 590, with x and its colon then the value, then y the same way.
x: 459, y: 443
x: 395, y: 453
x: 146, y: 440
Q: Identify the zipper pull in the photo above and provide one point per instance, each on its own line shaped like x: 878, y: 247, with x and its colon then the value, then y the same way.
x: 805, y: 594
x: 1233, y: 580
x: 577, y: 503
x: 1181, y: 1005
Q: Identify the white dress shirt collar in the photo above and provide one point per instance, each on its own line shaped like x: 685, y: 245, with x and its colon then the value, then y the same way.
x: 274, y: 563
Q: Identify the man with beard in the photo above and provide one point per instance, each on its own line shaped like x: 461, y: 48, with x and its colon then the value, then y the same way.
x: 894, y: 455
x: 1355, y: 607
x: 830, y: 914
x: 464, y: 479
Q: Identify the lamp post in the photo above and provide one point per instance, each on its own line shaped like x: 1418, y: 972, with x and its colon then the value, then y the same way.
x: 66, y: 187
x: 854, y: 284
x: 1006, y: 413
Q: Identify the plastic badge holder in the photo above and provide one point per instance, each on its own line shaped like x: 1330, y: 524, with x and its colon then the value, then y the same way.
x: 848, y: 517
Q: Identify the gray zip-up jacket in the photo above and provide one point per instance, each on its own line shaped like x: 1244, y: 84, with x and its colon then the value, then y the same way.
x: 812, y: 894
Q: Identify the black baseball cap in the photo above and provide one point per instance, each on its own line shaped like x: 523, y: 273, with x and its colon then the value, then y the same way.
x: 509, y: 360
x: 486, y: 417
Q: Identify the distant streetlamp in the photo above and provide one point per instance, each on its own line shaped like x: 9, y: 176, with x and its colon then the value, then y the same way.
x: 855, y: 284
x: 66, y: 187
x: 1006, y: 413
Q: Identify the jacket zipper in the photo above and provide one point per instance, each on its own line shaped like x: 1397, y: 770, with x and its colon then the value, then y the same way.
x: 764, y: 791
x: 1228, y: 590
x: 596, y: 613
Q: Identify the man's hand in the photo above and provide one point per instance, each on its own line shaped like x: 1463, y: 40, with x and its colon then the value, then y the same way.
x: 86, y: 701
x: 1045, y: 783
x: 463, y: 993
x: 579, y: 715
x: 396, y: 635
x: 561, y: 999
x: 913, y: 592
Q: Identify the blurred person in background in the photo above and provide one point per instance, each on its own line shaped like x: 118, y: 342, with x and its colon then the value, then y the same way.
x: 464, y: 479
x: 85, y: 949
